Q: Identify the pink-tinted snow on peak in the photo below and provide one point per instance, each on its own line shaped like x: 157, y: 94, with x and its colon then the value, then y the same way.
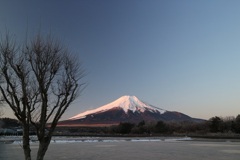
x: 127, y: 103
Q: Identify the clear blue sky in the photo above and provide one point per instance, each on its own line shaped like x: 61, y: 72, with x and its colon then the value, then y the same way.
x: 177, y: 55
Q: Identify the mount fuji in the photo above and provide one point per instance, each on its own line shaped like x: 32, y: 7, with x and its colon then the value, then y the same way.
x: 125, y: 109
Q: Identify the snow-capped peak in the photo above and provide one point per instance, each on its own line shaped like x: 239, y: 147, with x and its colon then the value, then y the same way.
x: 127, y: 103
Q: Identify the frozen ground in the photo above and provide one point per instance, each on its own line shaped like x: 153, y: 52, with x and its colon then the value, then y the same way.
x: 83, y: 148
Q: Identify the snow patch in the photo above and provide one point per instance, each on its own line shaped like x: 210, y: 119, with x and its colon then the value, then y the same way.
x: 62, y: 140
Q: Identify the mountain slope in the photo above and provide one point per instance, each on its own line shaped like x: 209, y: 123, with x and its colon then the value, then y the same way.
x: 126, y: 109
x: 126, y: 103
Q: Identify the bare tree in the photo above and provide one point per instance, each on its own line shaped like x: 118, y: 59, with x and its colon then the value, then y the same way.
x: 1, y: 103
x: 39, y: 81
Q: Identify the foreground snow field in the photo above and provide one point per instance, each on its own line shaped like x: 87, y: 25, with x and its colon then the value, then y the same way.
x: 88, y: 148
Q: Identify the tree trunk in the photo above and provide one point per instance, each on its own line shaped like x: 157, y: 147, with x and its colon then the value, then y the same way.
x: 43, y: 146
x: 26, y: 144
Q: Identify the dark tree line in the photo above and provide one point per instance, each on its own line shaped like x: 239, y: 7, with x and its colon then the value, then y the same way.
x: 9, y: 123
x: 213, y: 125
x: 224, y: 125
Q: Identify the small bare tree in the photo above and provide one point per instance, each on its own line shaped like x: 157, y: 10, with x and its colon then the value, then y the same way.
x: 39, y: 81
